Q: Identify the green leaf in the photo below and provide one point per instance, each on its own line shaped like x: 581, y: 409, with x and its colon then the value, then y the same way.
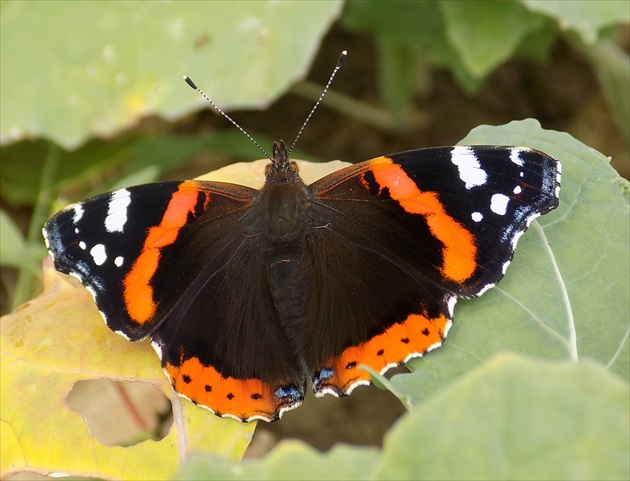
x: 71, y: 70
x: 588, y: 238
x: 417, y: 27
x: 585, y: 18
x: 487, y: 33
x: 565, y: 294
x: 85, y: 171
x: 516, y: 418
x: 612, y: 67
x: 291, y: 460
x: 398, y: 74
x: 400, y: 19
x: 14, y: 250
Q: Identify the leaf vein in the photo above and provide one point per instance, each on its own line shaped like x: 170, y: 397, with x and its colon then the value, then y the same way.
x: 573, y: 349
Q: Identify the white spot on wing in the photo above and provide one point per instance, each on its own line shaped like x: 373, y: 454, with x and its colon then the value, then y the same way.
x: 468, y: 165
x: 449, y: 324
x: 477, y: 216
x: 389, y: 366
x: 78, y: 213
x: 282, y: 410
x: 119, y: 261
x: 499, y: 203
x: 451, y: 306
x: 435, y: 345
x: 158, y: 349
x: 355, y: 385
x: 413, y: 355
x: 45, y: 234
x: 518, y: 235
x: 98, y: 254
x: 485, y: 288
x: 517, y: 190
x: 326, y: 390
x: 117, y: 211
x: 515, y: 156
x: 121, y: 333
x: 82, y: 245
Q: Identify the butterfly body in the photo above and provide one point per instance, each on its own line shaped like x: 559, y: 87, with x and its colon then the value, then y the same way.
x: 250, y: 296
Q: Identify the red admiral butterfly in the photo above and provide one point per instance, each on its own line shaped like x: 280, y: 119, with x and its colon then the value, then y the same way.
x: 250, y: 296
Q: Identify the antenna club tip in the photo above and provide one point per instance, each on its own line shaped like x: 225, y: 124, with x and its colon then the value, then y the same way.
x: 342, y: 57
x: 190, y: 83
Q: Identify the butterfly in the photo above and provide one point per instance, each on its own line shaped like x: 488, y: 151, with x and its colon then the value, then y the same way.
x: 251, y: 296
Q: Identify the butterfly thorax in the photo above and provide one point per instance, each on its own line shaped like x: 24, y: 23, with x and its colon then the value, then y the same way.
x: 281, y: 213
x: 283, y: 200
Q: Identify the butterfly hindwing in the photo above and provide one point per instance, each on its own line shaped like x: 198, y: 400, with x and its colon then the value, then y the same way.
x: 369, y: 311
x: 222, y: 344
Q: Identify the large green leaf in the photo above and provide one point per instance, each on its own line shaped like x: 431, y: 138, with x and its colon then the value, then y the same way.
x: 511, y: 418
x: 516, y: 418
x: 486, y: 34
x: 612, y: 67
x: 74, y: 69
x: 291, y: 460
x: 585, y: 18
x: 407, y: 29
x: 565, y: 294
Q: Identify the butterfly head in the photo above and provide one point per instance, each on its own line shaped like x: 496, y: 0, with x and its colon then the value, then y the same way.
x: 281, y: 169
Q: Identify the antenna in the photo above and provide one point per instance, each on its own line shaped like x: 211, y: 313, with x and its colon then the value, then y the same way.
x: 193, y: 86
x: 342, y: 57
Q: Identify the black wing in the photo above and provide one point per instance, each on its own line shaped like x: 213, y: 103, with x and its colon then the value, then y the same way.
x: 417, y: 229
x: 175, y: 261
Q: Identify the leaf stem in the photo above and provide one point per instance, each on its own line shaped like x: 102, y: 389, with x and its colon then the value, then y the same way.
x: 40, y: 213
x: 374, y: 116
x: 180, y: 423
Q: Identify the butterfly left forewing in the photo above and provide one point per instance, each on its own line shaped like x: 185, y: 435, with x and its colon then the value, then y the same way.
x: 115, y: 243
x: 178, y: 261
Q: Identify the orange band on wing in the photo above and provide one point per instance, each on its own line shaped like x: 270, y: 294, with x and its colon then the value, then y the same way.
x: 459, y: 250
x: 245, y: 399
x: 416, y: 335
x: 138, y: 293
